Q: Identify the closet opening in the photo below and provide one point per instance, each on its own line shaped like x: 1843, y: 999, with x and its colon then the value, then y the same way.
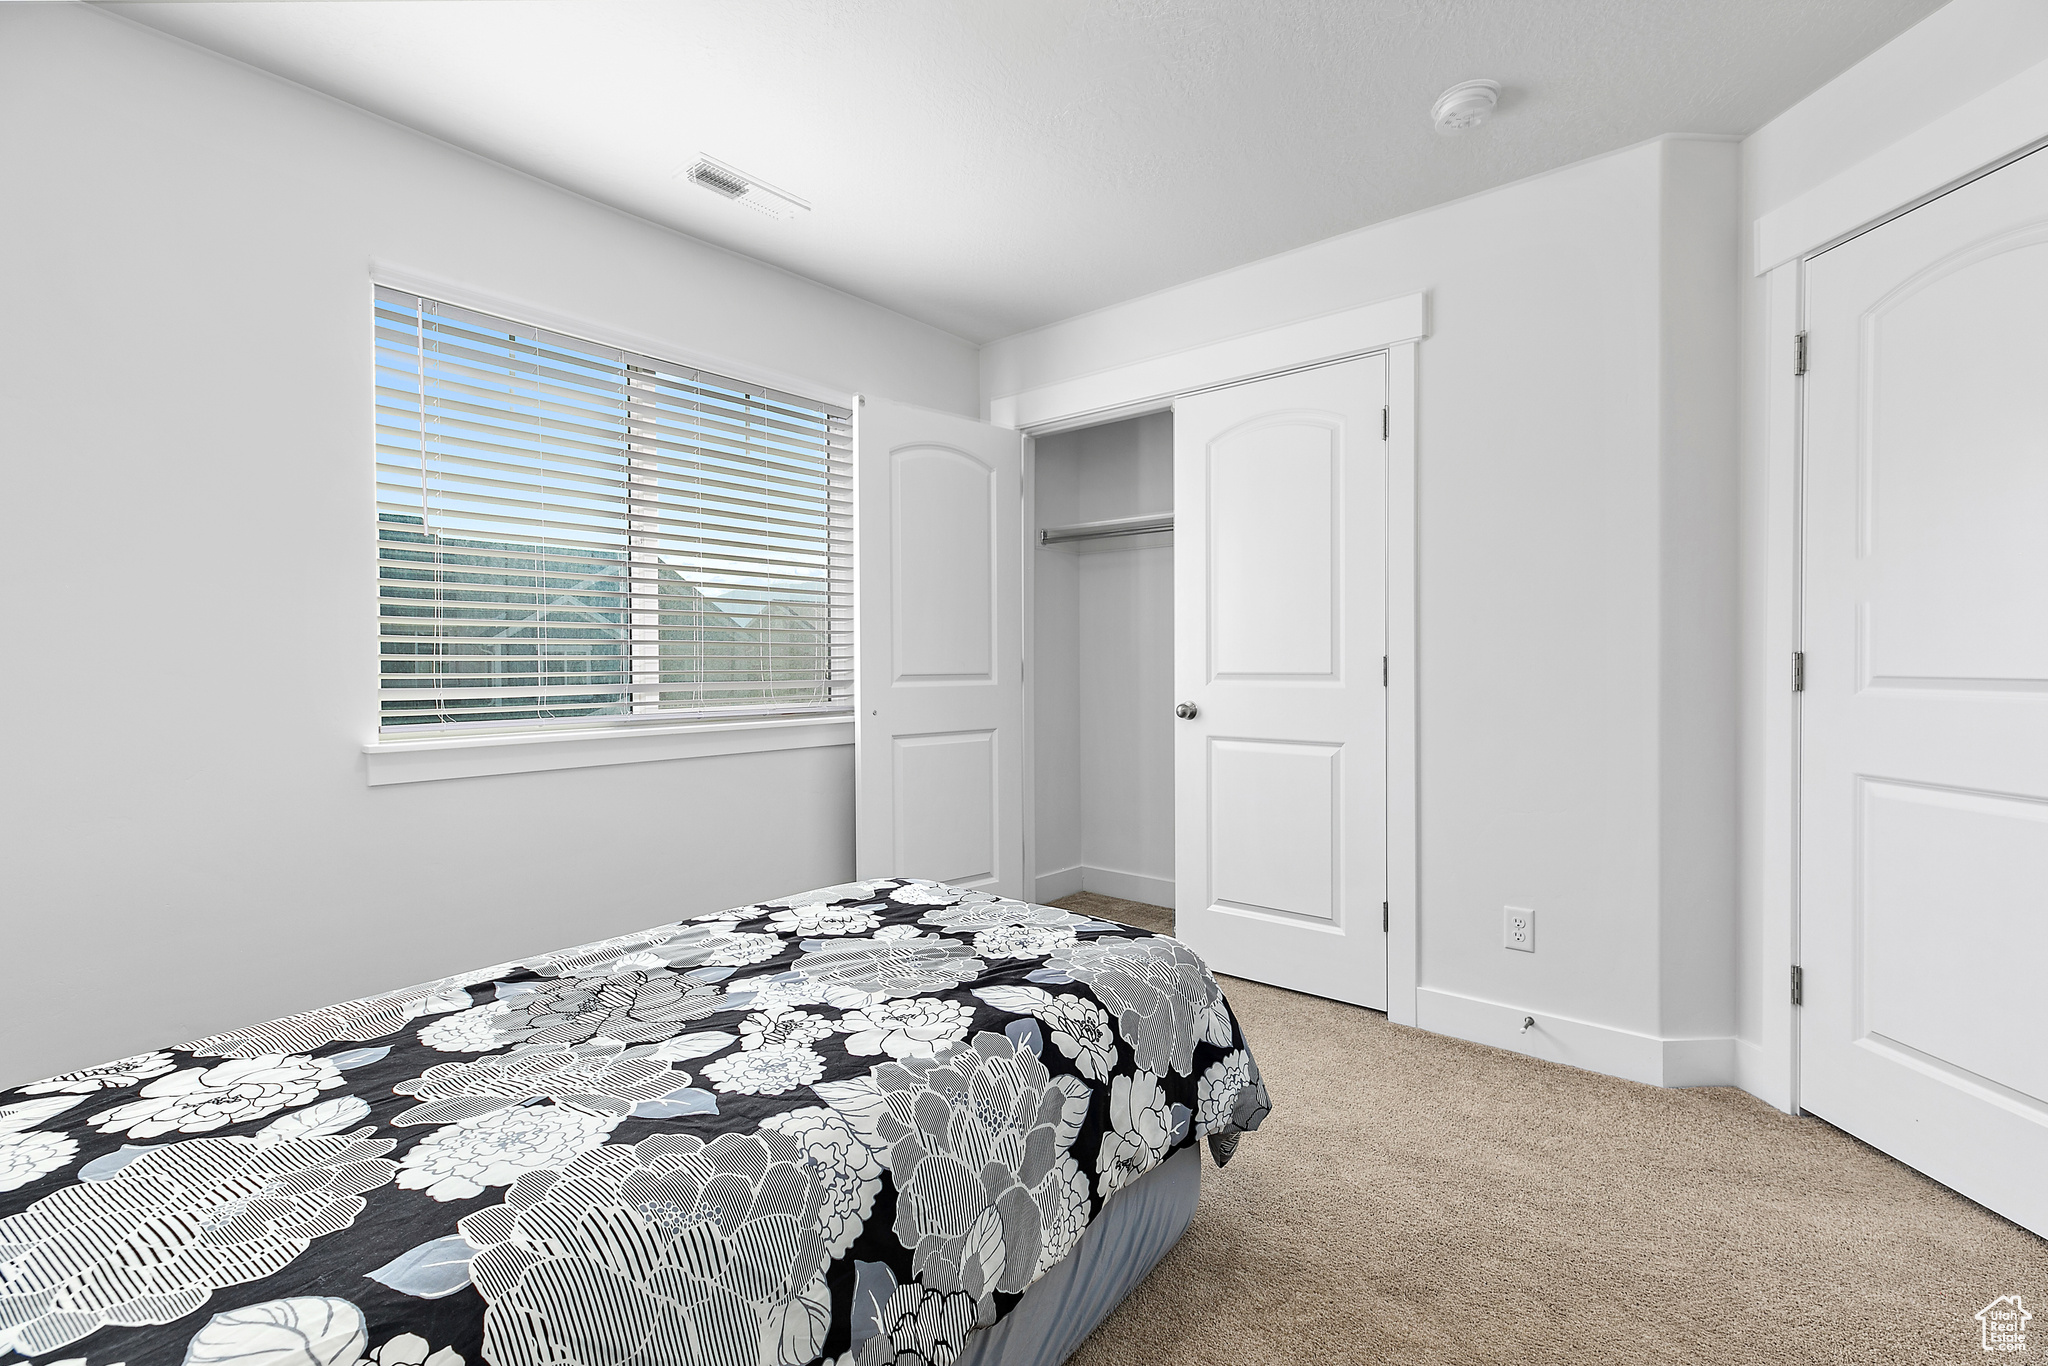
x: 1101, y: 700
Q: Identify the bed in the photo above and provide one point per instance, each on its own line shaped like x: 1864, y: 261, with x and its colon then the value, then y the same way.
x: 888, y: 1121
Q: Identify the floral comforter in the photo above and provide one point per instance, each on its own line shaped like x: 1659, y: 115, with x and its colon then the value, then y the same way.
x: 844, y: 1127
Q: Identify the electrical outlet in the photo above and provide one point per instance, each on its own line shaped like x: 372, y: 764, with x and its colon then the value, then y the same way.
x: 1518, y: 930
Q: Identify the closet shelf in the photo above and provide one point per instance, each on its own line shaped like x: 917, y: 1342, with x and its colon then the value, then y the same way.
x: 1114, y: 526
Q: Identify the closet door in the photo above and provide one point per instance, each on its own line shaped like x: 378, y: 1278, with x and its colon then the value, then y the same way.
x: 1924, y: 809
x: 939, y: 641
x: 1280, y: 766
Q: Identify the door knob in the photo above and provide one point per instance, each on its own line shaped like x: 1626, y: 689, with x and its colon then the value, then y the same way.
x: 1185, y: 711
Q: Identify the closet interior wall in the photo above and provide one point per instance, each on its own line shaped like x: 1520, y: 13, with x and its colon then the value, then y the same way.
x: 1103, y: 638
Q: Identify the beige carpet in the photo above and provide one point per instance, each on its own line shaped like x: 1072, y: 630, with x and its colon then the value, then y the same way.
x: 1414, y: 1198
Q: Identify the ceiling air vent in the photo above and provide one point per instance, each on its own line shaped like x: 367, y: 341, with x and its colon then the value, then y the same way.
x: 741, y: 188
x: 717, y: 178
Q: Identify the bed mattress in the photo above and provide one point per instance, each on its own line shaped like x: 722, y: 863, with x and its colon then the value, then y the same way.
x: 853, y: 1126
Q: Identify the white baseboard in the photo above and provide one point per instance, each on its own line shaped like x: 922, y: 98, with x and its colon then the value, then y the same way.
x: 1579, y: 1043
x: 1699, y: 1062
x: 1052, y: 886
x: 1153, y: 891
x: 1764, y: 1075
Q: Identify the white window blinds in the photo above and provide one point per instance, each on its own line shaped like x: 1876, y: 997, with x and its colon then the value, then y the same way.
x: 569, y: 533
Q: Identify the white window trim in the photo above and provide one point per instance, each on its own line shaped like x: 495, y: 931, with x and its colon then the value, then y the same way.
x: 387, y: 762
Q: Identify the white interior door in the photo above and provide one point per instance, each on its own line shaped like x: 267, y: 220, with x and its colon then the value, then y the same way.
x: 939, y: 641
x: 1280, y: 774
x: 1924, y: 812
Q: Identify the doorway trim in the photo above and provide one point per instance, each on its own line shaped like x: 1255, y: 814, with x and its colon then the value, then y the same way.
x: 1394, y: 326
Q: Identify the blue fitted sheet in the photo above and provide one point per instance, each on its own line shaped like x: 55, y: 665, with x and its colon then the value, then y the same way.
x: 1134, y: 1231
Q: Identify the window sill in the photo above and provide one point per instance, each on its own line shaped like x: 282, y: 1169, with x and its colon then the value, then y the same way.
x: 477, y: 756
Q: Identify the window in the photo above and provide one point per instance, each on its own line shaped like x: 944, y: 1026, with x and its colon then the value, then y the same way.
x: 571, y: 534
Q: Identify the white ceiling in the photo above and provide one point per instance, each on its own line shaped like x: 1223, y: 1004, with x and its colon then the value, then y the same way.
x: 992, y: 165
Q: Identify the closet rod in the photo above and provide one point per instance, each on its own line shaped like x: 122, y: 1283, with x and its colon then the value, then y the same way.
x: 1115, y: 526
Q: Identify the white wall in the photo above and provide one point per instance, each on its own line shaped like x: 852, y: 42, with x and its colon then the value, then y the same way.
x: 1885, y: 121
x: 1697, y: 667
x: 1576, y: 463
x: 190, y: 556
x: 1104, y: 682
x: 1054, y: 664
x: 1126, y: 662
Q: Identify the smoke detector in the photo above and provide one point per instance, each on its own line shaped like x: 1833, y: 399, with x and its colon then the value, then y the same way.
x: 731, y: 183
x: 1464, y: 105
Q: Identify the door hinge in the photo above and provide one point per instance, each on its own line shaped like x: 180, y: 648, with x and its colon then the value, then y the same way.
x: 1798, y: 985
x: 1798, y: 353
x: 1383, y: 917
x: 1386, y: 424
x: 1799, y: 671
x: 1383, y: 671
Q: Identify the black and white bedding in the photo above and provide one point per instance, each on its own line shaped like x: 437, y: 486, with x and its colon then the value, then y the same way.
x: 845, y: 1127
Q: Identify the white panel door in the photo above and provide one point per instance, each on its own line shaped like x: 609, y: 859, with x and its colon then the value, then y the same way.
x: 1280, y: 774
x: 1924, y: 860
x: 938, y: 679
